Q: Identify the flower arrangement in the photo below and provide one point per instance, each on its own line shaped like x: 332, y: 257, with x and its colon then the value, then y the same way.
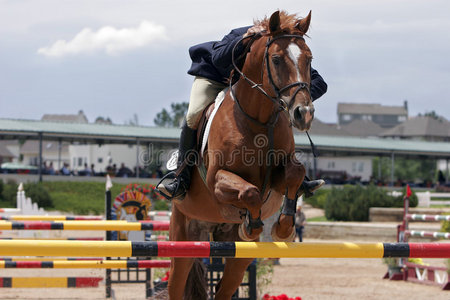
x: 148, y: 189
x: 279, y: 297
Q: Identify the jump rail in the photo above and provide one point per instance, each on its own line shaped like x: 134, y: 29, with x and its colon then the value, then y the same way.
x: 428, y: 234
x: 161, y: 213
x: 50, y: 218
x: 427, y: 275
x: 424, y: 274
x: 85, y: 264
x: 49, y: 282
x: 418, y: 217
x: 223, y: 249
x: 85, y: 225
x: 47, y: 259
x: 57, y: 238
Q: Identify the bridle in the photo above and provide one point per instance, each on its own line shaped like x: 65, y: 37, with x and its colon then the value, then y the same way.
x: 299, y: 84
x: 277, y: 99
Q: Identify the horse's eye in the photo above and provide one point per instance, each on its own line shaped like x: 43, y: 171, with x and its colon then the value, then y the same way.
x: 276, y: 59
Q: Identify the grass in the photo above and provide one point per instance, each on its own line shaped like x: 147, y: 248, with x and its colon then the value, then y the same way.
x: 5, y: 204
x: 317, y: 219
x: 440, y: 206
x: 80, y: 197
x: 83, y: 198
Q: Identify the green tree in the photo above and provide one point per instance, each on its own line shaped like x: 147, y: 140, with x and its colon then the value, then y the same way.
x: 133, y: 121
x: 1, y: 188
x: 431, y: 114
x: 102, y: 120
x: 38, y: 194
x: 352, y: 202
x: 381, y: 168
x: 406, y: 169
x: 172, y: 118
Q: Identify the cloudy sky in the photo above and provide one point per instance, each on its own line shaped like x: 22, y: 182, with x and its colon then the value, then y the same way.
x: 120, y: 58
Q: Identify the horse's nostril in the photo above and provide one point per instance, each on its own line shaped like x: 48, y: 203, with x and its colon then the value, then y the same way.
x: 298, y: 114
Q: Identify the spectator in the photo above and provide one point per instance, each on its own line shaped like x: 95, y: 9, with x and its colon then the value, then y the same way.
x: 44, y: 168
x: 87, y: 170
x: 441, y: 178
x: 159, y: 172
x: 109, y: 171
x: 50, y: 170
x: 300, y: 221
x: 93, y: 170
x: 124, y: 171
x: 65, y: 170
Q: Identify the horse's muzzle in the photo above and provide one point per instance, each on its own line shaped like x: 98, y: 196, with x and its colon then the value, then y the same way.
x: 302, y: 117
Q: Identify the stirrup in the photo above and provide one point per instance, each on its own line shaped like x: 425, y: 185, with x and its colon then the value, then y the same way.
x: 171, y: 176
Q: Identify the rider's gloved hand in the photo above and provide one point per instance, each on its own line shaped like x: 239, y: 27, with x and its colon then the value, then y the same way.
x: 255, y: 30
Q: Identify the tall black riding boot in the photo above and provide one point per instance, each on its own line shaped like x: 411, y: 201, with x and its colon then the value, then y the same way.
x: 310, y: 186
x: 177, y: 187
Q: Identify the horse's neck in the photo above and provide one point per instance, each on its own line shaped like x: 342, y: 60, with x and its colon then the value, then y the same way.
x: 254, y: 103
x: 259, y: 107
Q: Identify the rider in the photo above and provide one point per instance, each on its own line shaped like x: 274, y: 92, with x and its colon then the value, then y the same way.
x: 212, y: 66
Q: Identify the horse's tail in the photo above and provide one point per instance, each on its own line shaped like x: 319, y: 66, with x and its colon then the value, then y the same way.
x: 196, y: 285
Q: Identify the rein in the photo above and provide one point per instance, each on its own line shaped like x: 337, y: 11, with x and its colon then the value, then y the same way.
x: 282, y: 105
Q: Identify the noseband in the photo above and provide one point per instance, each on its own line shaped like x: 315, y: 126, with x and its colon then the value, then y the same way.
x: 278, y: 91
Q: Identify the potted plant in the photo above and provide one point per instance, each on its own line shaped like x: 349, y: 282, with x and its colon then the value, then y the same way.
x: 394, y: 267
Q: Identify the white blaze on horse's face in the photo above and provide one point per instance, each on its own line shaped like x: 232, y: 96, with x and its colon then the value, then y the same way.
x: 294, y: 53
x: 302, y: 109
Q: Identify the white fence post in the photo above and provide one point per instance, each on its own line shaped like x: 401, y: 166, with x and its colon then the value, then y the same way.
x: 424, y: 199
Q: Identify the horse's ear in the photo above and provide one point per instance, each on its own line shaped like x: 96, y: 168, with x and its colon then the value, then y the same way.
x: 303, y: 24
x: 274, y: 23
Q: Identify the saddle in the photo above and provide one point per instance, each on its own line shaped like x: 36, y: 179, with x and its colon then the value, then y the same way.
x: 203, y: 131
x: 206, y: 114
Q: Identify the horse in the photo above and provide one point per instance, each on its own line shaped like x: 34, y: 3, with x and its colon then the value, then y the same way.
x: 252, y: 170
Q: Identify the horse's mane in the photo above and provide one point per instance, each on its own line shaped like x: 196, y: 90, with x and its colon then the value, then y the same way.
x: 287, y: 22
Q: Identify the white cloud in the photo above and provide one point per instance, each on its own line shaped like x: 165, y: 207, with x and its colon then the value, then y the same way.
x: 108, y: 39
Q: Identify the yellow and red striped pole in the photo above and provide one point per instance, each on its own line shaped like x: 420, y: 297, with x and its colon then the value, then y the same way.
x: 85, y: 225
x: 49, y: 282
x: 222, y: 249
x: 84, y: 264
x: 50, y: 218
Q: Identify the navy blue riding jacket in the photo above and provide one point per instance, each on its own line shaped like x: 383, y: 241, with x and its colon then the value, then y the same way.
x: 212, y: 60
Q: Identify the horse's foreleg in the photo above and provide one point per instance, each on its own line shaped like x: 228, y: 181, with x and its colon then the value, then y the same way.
x: 232, y: 277
x: 284, y: 230
x: 232, y: 189
x: 179, y: 267
x: 179, y: 272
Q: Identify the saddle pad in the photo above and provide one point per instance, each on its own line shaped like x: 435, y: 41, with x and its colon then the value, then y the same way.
x: 218, y: 102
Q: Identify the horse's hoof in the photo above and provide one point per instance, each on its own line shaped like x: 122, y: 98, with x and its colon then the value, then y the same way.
x: 243, y: 233
x: 276, y: 238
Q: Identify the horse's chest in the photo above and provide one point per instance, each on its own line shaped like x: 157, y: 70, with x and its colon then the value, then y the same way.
x: 202, y: 230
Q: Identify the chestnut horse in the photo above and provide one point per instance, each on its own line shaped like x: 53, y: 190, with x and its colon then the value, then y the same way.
x: 250, y: 159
